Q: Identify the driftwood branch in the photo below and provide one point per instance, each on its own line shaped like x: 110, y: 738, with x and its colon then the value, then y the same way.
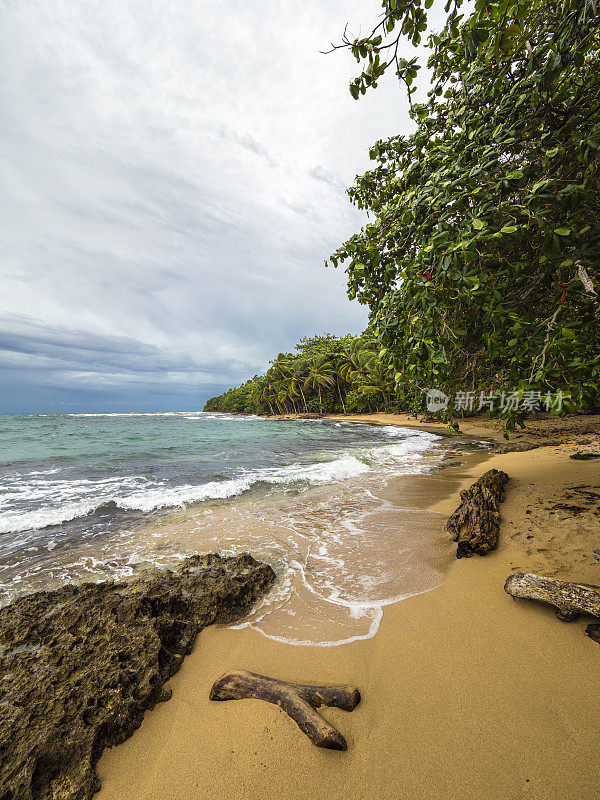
x: 570, y: 600
x: 475, y: 524
x: 297, y: 700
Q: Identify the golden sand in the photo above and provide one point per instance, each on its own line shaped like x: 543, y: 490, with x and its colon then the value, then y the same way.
x: 466, y: 692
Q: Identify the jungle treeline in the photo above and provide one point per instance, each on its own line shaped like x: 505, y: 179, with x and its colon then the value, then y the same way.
x: 328, y: 374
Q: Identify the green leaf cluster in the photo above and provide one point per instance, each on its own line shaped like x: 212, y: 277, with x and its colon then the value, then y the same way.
x: 483, y: 221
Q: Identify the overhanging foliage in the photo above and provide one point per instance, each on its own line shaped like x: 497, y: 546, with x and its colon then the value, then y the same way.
x: 481, y: 260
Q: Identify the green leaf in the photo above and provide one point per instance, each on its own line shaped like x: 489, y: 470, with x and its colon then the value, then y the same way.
x: 478, y: 224
x: 568, y: 333
x: 508, y: 229
x: 562, y: 231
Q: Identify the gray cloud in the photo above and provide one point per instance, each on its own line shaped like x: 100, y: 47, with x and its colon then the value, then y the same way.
x: 164, y: 224
x: 319, y: 173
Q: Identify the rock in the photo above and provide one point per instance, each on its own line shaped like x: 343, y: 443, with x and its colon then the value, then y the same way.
x: 593, y: 631
x: 520, y: 447
x: 569, y: 508
x: 584, y: 456
x: 516, y: 447
x: 80, y: 665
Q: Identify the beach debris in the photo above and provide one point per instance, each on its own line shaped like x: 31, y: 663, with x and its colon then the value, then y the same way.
x: 570, y: 509
x: 584, y: 456
x: 299, y: 701
x: 475, y: 524
x: 80, y: 665
x: 570, y: 600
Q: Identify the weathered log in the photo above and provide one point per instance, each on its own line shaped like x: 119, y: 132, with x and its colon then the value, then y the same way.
x: 570, y: 600
x: 297, y: 700
x: 475, y: 524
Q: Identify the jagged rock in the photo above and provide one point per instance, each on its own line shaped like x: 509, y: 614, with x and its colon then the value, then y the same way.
x: 584, y: 456
x: 521, y: 447
x: 593, y: 631
x: 80, y: 665
x: 516, y: 447
x: 475, y: 524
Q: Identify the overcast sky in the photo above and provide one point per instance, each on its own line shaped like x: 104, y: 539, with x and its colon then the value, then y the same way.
x: 172, y: 179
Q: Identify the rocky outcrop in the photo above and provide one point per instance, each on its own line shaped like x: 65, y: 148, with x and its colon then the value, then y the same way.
x: 516, y: 447
x: 79, y: 666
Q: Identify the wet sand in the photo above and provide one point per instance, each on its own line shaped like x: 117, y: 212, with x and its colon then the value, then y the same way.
x: 466, y: 693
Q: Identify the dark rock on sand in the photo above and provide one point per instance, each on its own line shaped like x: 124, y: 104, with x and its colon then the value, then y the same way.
x: 584, y: 456
x: 521, y: 447
x: 516, y: 447
x: 79, y: 666
x: 593, y: 631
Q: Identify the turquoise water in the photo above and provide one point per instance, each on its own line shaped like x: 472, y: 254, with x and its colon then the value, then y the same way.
x: 90, y: 496
x: 55, y: 468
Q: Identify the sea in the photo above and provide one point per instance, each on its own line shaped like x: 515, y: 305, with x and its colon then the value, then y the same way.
x: 339, y: 508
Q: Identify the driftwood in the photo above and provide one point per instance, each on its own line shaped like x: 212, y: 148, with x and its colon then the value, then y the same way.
x: 297, y: 700
x: 475, y: 524
x: 570, y: 600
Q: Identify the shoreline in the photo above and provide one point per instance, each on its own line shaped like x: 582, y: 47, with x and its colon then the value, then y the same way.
x: 466, y: 693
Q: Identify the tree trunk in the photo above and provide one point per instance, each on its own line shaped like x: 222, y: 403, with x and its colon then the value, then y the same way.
x: 297, y: 700
x: 337, y: 383
x: 303, y: 400
x: 475, y: 524
x: 570, y: 600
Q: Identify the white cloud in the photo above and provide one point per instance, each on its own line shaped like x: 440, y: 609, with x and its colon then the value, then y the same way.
x: 173, y: 175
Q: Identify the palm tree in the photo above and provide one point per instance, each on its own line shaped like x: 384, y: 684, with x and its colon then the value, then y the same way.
x: 320, y: 375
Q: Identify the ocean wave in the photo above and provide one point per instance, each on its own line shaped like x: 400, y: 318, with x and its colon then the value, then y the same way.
x: 41, y: 499
x: 144, y: 495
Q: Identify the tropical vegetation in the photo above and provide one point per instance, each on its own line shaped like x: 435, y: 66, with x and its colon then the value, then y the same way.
x: 480, y: 258
x: 480, y: 262
x: 326, y: 374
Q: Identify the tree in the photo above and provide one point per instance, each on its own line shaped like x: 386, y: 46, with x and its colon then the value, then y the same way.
x: 480, y: 263
x: 324, y: 373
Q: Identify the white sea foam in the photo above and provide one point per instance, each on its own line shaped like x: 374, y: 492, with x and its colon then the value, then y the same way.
x: 67, y: 500
x: 337, y: 567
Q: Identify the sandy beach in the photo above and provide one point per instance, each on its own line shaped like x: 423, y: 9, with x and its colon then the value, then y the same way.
x: 466, y: 693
